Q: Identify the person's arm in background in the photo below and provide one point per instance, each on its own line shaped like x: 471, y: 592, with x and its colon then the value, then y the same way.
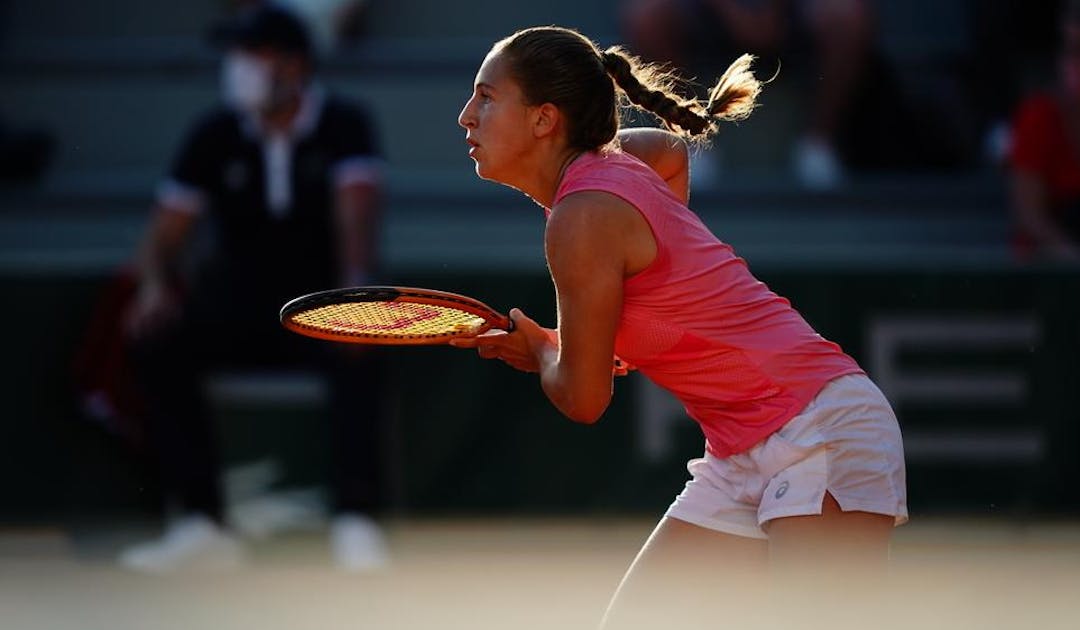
x: 155, y: 262
x: 357, y: 222
x: 357, y: 177
x: 181, y: 201
x: 1031, y: 210
x: 664, y: 152
x: 1030, y: 160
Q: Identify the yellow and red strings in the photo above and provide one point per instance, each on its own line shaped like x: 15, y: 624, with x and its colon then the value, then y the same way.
x: 389, y: 319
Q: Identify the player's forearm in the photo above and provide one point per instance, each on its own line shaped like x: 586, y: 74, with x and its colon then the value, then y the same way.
x: 572, y: 394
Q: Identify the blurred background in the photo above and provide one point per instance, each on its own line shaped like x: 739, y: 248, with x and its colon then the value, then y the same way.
x: 876, y: 187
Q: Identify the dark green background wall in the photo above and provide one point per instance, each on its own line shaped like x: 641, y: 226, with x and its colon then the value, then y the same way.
x: 472, y: 436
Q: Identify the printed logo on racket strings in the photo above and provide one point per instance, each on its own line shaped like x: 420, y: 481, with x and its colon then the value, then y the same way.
x: 409, y: 316
x: 404, y: 317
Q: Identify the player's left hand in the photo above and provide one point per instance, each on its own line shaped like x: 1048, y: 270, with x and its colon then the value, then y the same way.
x: 521, y: 349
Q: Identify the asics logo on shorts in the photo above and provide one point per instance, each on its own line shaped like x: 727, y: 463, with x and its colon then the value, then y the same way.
x: 782, y: 490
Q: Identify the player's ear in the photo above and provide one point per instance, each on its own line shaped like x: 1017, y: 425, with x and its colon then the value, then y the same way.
x: 547, y: 120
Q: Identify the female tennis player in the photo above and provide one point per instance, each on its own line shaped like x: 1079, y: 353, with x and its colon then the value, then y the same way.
x: 803, y: 465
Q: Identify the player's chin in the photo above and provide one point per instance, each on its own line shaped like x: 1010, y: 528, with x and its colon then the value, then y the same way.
x: 485, y: 171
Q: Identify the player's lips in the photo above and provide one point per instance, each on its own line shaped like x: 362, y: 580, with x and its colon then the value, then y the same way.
x: 473, y: 146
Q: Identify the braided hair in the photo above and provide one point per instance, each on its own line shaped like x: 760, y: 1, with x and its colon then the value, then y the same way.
x: 561, y: 66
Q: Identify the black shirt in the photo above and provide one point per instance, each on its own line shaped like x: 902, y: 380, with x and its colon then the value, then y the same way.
x: 223, y: 159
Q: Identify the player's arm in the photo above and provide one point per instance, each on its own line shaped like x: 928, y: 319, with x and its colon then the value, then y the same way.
x: 664, y: 152
x: 593, y: 241
x: 588, y: 241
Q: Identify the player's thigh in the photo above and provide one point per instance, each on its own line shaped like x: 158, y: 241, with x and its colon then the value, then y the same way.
x: 678, y: 544
x: 686, y: 572
x: 853, y: 540
x: 831, y: 567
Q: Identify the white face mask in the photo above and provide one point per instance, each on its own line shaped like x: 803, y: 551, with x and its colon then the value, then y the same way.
x: 246, y: 81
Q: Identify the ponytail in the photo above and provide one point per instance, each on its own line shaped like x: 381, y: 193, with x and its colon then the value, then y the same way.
x: 557, y: 65
x: 652, y: 89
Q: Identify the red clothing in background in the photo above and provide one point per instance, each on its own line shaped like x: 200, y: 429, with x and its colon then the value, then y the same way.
x: 1043, y: 146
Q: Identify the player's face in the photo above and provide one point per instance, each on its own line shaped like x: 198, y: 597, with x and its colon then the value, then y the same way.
x: 497, y: 122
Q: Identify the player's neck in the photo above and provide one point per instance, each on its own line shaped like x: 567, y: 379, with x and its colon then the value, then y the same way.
x: 549, y: 175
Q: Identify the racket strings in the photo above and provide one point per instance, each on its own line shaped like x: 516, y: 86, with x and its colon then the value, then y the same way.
x: 389, y: 320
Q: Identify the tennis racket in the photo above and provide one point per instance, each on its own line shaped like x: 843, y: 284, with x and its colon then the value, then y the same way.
x: 390, y: 316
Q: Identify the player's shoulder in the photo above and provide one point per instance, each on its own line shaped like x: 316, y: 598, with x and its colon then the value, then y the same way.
x: 610, y: 165
x: 589, y: 208
x: 616, y: 173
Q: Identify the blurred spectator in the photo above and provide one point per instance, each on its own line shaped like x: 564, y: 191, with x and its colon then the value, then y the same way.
x: 331, y: 23
x: 1015, y: 45
x: 836, y: 34
x: 1045, y: 158
x: 287, y: 175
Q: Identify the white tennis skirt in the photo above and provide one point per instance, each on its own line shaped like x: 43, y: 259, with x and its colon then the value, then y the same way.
x: 845, y: 442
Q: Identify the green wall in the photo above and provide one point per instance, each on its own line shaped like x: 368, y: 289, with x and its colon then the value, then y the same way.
x: 472, y: 436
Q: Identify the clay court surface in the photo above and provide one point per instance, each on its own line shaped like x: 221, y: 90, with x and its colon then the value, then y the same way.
x: 517, y: 573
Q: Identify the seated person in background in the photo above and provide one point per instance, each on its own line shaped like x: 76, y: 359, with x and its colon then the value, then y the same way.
x: 836, y: 34
x: 1044, y: 159
x: 288, y: 177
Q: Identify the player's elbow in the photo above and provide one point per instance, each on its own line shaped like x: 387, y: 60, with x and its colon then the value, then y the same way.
x: 576, y: 396
x: 586, y: 410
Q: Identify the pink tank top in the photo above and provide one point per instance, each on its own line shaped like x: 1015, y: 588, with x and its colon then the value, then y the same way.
x: 696, y: 322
